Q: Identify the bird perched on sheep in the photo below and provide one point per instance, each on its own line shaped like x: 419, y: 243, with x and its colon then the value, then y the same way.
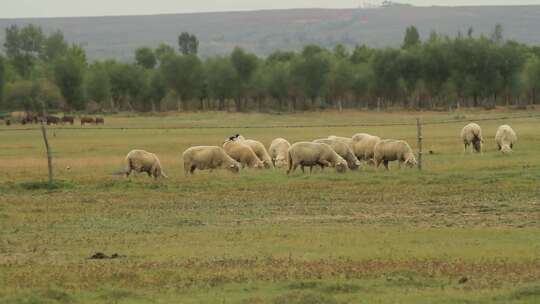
x: 342, y: 150
x: 208, y: 158
x: 505, y: 139
x: 143, y: 161
x: 278, y: 152
x: 390, y: 150
x: 259, y: 150
x: 364, y: 146
x: 243, y: 154
x: 309, y: 154
x: 472, y: 135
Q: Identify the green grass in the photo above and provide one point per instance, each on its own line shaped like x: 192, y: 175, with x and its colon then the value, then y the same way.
x: 465, y: 230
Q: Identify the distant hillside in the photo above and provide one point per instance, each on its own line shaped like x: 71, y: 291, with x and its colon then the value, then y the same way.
x: 264, y: 31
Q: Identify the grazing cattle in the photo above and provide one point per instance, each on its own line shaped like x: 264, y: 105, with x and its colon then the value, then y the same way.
x: 243, y: 154
x: 342, y: 150
x: 208, y: 158
x: 100, y: 121
x: 279, y: 151
x: 505, y: 139
x: 68, y: 119
x: 309, y: 154
x: 142, y: 161
x: 87, y: 120
x: 472, y: 135
x: 52, y: 120
x: 390, y: 150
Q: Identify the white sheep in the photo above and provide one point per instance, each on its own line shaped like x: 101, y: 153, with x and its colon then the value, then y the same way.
x: 472, y: 135
x: 505, y: 139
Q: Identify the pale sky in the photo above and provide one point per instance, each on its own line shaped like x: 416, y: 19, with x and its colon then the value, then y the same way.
x: 66, y: 8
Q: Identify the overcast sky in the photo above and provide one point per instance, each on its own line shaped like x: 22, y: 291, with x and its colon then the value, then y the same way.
x: 61, y: 8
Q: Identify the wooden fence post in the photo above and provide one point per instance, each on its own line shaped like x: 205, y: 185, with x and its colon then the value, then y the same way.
x: 49, y: 153
x: 419, y: 137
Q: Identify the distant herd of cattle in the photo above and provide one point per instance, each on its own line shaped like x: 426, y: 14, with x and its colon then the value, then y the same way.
x: 31, y: 118
x: 341, y: 153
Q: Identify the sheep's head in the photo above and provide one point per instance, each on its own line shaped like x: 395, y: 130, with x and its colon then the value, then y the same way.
x: 267, y: 165
x: 505, y: 149
x: 477, y: 145
x: 341, y: 166
x: 354, y: 164
x: 234, y: 168
x: 281, y: 162
x: 259, y: 165
x: 157, y: 172
x: 411, y: 162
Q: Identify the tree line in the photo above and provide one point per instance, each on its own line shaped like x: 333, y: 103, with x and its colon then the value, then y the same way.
x: 40, y: 70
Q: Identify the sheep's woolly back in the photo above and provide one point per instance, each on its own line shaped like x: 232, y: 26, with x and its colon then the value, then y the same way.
x: 471, y: 132
x: 505, y: 138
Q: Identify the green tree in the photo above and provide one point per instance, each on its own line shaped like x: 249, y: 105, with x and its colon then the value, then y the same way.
x: 310, y: 72
x: 98, y: 84
x: 340, y: 80
x: 2, y: 78
x: 532, y: 78
x: 188, y: 43
x: 183, y: 75
x: 245, y: 65
x: 127, y: 83
x: 278, y: 81
x: 145, y: 57
x: 412, y: 38
x: 497, y: 34
x: 69, y: 77
x: 23, y: 46
x: 163, y: 51
x: 157, y: 89
x: 54, y: 46
x: 222, y: 79
x: 361, y: 54
x: 32, y: 95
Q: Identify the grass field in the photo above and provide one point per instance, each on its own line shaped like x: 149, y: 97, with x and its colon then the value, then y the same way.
x: 465, y: 230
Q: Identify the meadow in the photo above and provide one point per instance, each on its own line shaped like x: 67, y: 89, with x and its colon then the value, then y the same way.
x: 464, y: 230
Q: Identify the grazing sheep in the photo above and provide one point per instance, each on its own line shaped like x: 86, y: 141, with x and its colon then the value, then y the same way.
x: 346, y: 140
x: 309, y: 154
x: 364, y: 146
x: 472, y: 134
x: 260, y: 151
x: 390, y: 150
x: 208, y: 158
x: 505, y: 139
x: 279, y: 152
x: 142, y: 161
x: 342, y: 150
x: 243, y: 154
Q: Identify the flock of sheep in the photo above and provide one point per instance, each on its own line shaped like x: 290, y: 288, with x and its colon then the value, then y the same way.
x: 341, y: 153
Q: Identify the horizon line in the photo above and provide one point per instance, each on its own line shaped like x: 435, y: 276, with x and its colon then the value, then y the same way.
x: 265, y: 10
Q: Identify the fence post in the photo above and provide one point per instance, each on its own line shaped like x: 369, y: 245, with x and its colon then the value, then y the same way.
x: 419, y: 137
x: 49, y: 153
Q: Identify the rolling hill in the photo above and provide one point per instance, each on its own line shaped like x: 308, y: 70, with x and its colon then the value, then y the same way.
x: 264, y: 31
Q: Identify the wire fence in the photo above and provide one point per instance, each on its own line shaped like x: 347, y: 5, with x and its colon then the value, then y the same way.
x: 349, y: 125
